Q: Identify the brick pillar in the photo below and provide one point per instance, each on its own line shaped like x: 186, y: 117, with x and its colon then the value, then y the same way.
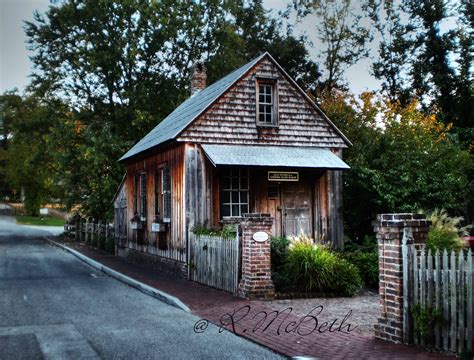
x: 256, y: 282
x: 390, y: 229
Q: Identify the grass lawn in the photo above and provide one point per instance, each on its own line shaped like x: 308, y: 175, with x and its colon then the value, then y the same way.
x: 36, y: 220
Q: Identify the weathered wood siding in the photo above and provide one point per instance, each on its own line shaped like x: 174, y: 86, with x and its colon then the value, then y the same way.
x: 173, y: 242
x: 201, y: 189
x: 232, y: 119
x: 323, y: 188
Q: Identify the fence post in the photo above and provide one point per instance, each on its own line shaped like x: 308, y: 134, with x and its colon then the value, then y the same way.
x: 394, y: 231
x: 87, y: 231
x: 77, y: 229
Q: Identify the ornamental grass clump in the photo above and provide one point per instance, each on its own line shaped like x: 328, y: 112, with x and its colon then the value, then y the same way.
x: 316, y: 268
x: 445, y: 232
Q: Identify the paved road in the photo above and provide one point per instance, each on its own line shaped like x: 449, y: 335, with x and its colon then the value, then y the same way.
x: 53, y: 306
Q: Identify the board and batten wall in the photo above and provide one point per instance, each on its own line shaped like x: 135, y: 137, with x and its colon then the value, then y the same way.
x: 175, y: 235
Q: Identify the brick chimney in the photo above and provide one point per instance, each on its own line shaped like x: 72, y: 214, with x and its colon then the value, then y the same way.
x: 198, y: 77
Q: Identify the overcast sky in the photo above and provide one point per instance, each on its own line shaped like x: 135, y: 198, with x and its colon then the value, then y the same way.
x: 15, y: 65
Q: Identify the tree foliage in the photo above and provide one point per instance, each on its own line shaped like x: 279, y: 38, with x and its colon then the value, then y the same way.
x: 420, y: 59
x: 342, y: 34
x: 121, y: 67
x: 402, y: 160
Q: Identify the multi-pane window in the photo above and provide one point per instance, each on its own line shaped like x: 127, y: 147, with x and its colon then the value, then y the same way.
x: 235, y: 192
x: 140, y: 205
x: 158, y: 196
x: 166, y: 191
x: 163, y: 194
x: 143, y: 196
x: 266, y: 104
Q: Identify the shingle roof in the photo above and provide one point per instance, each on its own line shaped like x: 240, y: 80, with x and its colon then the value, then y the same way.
x: 278, y: 156
x: 185, y: 113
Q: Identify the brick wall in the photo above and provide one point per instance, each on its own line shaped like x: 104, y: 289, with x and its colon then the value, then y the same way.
x: 256, y: 282
x: 390, y: 229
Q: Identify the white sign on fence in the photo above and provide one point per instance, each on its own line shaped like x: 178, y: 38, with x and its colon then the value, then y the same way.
x: 44, y: 211
x: 260, y: 236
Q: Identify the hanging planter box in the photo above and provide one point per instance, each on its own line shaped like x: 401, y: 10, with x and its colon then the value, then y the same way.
x: 136, y: 225
x: 158, y: 227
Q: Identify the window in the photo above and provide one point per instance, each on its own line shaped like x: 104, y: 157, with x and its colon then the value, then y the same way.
x: 143, y: 196
x: 166, y: 191
x: 158, y: 196
x: 139, y: 203
x: 235, y: 192
x: 162, y: 194
x: 266, y: 103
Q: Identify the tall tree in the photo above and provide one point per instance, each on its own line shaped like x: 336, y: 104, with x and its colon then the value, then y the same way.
x: 123, y: 66
x: 339, y: 27
x: 420, y: 59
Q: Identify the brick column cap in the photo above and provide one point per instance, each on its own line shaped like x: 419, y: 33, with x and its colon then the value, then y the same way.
x: 401, y: 220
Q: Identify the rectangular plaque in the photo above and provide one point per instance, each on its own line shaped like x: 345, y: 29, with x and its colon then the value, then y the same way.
x: 283, y: 176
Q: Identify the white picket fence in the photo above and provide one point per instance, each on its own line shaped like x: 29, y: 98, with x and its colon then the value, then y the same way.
x: 444, y: 282
x: 215, y: 261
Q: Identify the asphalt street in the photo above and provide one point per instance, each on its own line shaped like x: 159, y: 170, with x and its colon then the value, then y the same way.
x: 53, y: 306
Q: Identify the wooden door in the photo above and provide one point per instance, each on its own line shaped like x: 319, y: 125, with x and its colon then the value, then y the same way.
x: 296, y: 209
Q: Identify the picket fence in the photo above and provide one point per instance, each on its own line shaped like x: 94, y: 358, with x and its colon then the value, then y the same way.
x: 91, y: 232
x: 215, y: 261
x: 443, y: 282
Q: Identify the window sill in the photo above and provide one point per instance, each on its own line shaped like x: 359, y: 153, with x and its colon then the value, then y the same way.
x: 230, y: 220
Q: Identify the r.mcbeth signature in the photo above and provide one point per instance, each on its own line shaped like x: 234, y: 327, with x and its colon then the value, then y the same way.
x: 278, y: 321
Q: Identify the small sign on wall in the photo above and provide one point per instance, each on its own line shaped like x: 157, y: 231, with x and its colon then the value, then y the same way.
x: 283, y: 176
x: 260, y: 236
x: 44, y: 211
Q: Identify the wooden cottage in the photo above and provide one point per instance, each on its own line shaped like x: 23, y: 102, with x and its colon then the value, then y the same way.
x: 251, y: 142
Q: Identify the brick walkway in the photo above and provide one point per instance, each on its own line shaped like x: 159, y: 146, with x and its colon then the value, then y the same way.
x: 288, y: 334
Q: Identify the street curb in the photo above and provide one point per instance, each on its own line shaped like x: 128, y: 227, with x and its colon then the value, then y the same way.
x: 146, y: 289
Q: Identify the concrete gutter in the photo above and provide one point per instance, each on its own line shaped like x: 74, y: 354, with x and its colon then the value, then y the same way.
x: 144, y: 288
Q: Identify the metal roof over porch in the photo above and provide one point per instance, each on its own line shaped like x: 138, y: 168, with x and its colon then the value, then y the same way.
x: 273, y: 156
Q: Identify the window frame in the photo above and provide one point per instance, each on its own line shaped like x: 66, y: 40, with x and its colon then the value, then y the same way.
x: 229, y: 173
x: 273, y: 83
x: 140, y: 202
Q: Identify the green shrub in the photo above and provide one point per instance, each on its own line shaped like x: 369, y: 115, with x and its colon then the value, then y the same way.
x: 279, y: 256
x: 319, y: 269
x: 310, y: 267
x: 110, y: 245
x: 426, y: 318
x: 279, y: 252
x: 445, y: 232
x: 367, y: 264
x: 227, y: 231
x: 346, y: 279
x: 442, y: 238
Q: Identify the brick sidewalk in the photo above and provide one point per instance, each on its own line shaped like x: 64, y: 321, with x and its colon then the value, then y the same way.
x: 288, y: 334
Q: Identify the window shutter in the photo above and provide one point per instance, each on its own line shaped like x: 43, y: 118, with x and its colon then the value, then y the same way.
x: 166, y: 181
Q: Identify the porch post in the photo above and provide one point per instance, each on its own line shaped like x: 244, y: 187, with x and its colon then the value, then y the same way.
x: 256, y: 282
